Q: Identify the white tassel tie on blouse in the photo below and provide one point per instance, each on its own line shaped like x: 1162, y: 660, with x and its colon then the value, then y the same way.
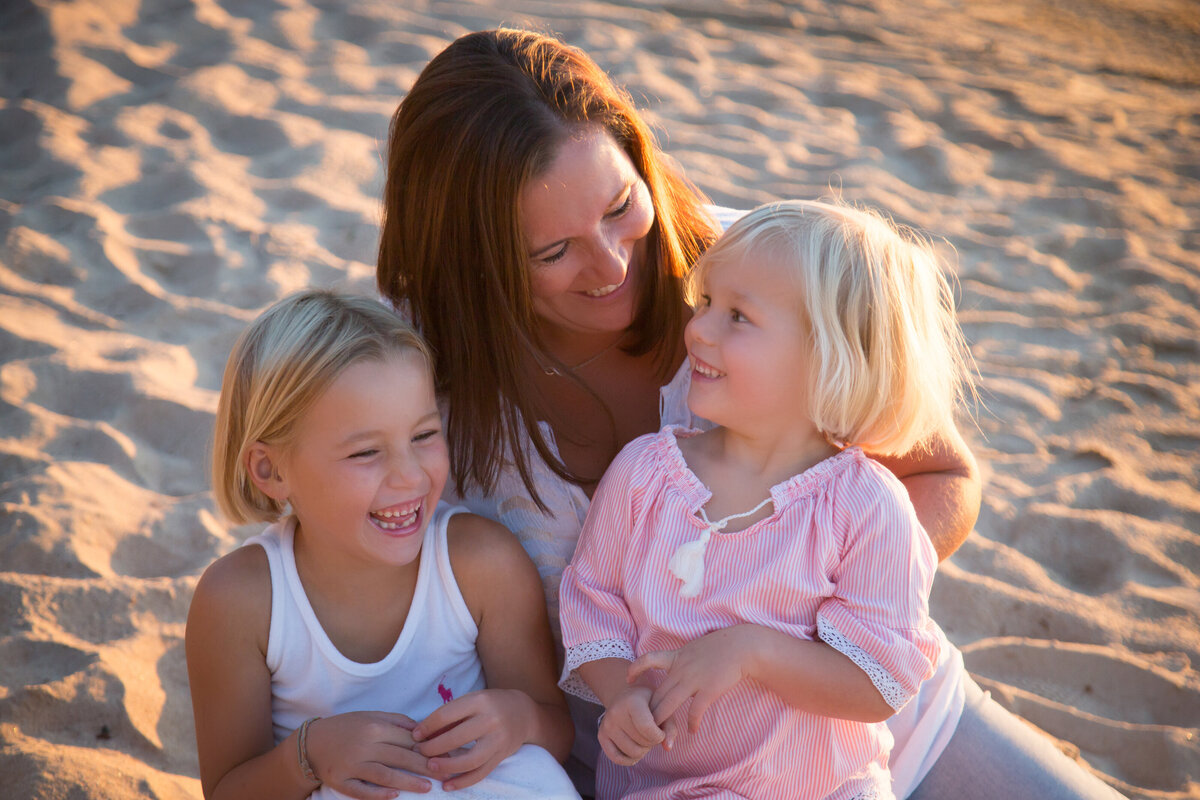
x: 687, y: 563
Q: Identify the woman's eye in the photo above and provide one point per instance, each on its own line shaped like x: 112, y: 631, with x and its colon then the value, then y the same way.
x: 556, y: 256
x: 624, y: 207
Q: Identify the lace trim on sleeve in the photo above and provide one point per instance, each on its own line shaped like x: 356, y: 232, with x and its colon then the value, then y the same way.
x: 590, y: 651
x: 888, y: 686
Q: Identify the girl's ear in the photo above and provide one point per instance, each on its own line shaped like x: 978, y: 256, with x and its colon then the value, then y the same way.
x: 262, y: 468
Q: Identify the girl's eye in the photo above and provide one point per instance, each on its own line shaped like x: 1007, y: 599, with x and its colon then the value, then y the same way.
x: 364, y: 453
x: 705, y: 300
x: 737, y: 316
x: 426, y: 435
x: 624, y: 208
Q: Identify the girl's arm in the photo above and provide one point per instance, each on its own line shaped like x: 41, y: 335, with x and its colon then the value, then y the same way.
x: 808, y: 675
x: 226, y: 643
x: 942, y: 479
x: 522, y: 704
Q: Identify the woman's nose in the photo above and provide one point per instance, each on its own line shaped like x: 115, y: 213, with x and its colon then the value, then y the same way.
x: 611, y: 261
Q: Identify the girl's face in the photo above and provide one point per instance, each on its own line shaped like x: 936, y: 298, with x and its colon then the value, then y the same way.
x: 585, y: 220
x: 749, y: 347
x: 368, y: 461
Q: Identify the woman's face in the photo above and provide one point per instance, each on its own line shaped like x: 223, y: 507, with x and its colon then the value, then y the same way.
x: 585, y: 220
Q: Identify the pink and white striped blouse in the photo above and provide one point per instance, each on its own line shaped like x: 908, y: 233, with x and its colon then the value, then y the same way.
x: 842, y: 558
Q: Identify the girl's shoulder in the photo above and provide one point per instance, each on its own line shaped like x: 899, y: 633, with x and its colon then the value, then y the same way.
x: 485, y: 556
x: 654, y: 450
x: 234, y: 594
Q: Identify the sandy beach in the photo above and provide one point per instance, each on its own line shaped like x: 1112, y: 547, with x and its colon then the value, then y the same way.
x: 169, y: 167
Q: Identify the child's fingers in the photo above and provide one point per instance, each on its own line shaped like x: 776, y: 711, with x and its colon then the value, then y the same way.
x: 664, y: 707
x: 452, y: 739
x: 445, y: 716
x: 700, y: 704
x: 473, y: 776
x: 622, y: 749
x: 376, y: 781
x: 403, y: 757
x: 643, y: 729
x: 656, y: 659
x: 461, y: 760
x: 669, y: 730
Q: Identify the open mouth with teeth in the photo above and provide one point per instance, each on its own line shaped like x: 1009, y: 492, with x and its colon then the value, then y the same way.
x: 402, y: 518
x: 704, y: 370
x: 604, y: 290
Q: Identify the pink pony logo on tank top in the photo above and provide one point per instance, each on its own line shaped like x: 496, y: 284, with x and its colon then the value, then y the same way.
x: 443, y: 691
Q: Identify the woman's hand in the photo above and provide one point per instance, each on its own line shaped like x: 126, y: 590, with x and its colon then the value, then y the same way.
x: 368, y: 755
x: 628, y: 730
x: 703, y: 669
x: 498, y: 721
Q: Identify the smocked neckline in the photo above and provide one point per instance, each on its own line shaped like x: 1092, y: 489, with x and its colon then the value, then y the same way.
x: 782, y: 494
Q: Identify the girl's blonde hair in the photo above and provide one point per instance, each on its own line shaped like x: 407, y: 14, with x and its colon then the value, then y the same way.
x: 890, y: 362
x: 279, y: 367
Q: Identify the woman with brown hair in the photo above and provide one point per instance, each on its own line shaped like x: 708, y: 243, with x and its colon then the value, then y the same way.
x: 538, y: 238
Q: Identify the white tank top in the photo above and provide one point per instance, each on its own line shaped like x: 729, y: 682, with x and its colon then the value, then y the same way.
x: 433, y: 661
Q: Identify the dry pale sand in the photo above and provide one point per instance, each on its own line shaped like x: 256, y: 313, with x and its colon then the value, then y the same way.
x: 169, y: 167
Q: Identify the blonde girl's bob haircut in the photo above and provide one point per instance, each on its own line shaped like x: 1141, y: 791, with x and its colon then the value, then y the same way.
x: 278, y: 369
x: 890, y: 365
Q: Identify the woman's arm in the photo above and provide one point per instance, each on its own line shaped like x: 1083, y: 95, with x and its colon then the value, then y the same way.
x: 362, y: 755
x: 522, y: 704
x: 943, y: 483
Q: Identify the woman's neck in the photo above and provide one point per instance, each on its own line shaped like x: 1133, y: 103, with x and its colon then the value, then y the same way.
x: 574, y: 349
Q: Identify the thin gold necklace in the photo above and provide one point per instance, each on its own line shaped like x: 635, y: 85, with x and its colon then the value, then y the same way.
x: 581, y: 364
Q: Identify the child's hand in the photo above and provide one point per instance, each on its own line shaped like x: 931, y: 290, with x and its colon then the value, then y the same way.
x: 496, y: 720
x: 628, y: 730
x: 703, y: 669
x: 367, y: 754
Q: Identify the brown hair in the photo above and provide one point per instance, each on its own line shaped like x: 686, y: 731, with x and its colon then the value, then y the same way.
x: 487, y: 114
x: 279, y: 367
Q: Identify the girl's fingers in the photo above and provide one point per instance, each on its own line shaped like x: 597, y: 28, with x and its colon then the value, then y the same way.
x: 700, y: 704
x: 669, y: 731
x: 398, y: 757
x: 452, y: 739
x: 645, y: 730
x: 462, y: 760
x: 656, y: 659
x: 376, y: 780
x: 665, y: 707
x: 471, y: 778
x: 624, y: 757
x: 445, y: 716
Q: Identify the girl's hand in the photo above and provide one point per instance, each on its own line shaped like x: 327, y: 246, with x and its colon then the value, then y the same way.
x: 368, y: 755
x: 703, y: 669
x: 498, y: 721
x: 628, y: 730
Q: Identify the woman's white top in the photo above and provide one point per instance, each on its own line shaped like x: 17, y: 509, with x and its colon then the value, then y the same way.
x: 433, y: 661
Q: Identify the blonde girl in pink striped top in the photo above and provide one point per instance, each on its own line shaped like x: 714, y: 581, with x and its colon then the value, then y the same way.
x: 768, y: 581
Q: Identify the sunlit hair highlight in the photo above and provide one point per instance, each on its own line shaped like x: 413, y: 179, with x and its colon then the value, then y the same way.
x: 890, y: 364
x: 278, y: 369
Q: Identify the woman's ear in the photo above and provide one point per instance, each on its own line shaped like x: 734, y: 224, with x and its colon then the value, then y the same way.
x: 263, y: 469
